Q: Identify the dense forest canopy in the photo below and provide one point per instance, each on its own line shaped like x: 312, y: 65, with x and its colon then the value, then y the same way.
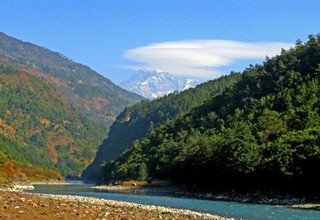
x: 262, y: 133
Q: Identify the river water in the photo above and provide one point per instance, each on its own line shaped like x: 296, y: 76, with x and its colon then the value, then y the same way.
x: 223, y: 208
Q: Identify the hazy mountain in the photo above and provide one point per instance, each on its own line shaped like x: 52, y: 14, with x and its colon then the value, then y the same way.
x: 153, y: 84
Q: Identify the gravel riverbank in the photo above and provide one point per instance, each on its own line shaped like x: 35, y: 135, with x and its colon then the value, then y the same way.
x: 313, y: 206
x: 24, y: 205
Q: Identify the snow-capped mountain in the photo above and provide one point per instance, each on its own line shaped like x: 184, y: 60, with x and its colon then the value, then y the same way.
x: 153, y: 84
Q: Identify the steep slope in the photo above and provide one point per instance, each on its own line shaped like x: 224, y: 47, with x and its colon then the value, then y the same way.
x: 263, y: 134
x: 152, y: 84
x: 91, y: 93
x: 39, y: 126
x: 134, y: 122
x: 53, y: 112
x: 13, y: 166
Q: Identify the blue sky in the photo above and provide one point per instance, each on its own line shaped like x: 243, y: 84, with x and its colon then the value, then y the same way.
x: 116, y: 37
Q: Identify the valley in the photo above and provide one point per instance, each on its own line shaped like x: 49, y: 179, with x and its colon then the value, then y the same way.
x: 136, y: 110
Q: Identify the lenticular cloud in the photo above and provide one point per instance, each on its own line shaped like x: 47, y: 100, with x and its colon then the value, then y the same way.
x: 199, y: 58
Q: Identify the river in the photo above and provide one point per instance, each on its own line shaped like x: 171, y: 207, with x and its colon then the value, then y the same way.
x: 222, y: 208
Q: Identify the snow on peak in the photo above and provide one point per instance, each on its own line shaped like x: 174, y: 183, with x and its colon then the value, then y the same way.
x: 154, y: 84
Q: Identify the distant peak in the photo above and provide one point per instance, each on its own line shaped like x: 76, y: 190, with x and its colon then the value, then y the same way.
x: 155, y: 83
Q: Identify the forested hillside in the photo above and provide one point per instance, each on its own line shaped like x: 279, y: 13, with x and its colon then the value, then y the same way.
x: 38, y: 125
x: 53, y: 112
x: 136, y: 121
x: 91, y: 93
x: 263, y: 133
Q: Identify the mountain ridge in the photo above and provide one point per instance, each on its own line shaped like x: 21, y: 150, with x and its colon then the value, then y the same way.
x: 104, y: 99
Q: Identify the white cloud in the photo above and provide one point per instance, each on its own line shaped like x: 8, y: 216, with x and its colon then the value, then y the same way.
x: 199, y: 58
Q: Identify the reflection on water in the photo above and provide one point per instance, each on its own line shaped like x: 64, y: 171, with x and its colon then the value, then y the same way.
x: 222, y: 208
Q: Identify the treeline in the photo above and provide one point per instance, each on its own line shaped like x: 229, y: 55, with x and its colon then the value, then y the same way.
x: 136, y: 121
x: 261, y: 134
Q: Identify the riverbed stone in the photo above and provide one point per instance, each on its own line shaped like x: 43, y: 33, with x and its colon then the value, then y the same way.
x: 77, y: 207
